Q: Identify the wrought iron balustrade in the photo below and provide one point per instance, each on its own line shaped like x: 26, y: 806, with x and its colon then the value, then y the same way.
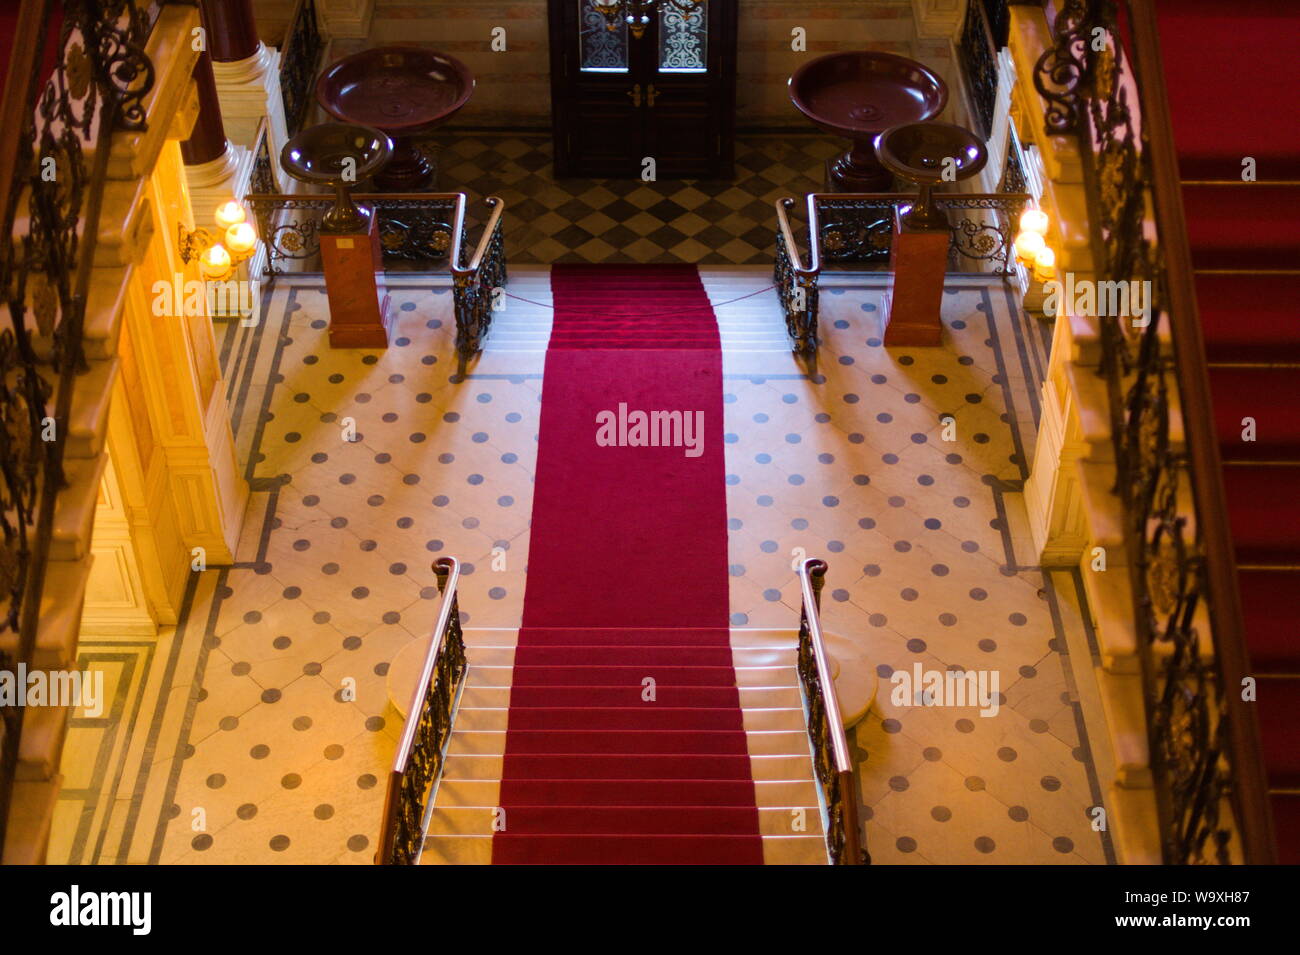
x: 64, y: 121
x: 853, y: 230
x: 417, y: 230
x: 300, y: 54
x: 420, y: 754
x: 1203, y: 739
x: 977, y: 51
x: 831, y: 759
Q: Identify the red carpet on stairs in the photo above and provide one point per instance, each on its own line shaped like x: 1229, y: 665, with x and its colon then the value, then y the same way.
x: 627, y: 583
x: 1227, y: 103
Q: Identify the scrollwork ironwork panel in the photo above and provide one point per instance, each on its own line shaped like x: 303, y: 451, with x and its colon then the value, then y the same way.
x: 1092, y: 92
x: 99, y: 82
x: 300, y: 55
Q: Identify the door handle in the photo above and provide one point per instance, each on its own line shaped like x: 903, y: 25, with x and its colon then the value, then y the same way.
x: 635, y: 94
x: 651, y: 94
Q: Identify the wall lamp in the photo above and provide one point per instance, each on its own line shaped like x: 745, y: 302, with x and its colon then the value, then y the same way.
x: 219, y: 257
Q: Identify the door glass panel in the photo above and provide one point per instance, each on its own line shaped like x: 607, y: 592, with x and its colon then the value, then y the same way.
x: 683, y: 38
x: 601, y: 49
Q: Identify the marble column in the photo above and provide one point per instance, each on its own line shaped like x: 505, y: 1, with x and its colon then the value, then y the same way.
x: 247, y: 74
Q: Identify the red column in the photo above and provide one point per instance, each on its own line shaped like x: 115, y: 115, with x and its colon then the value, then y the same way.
x: 232, y: 29
x: 208, y: 139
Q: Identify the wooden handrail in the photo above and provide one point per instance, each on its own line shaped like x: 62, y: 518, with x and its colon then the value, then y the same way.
x: 812, y: 571
x: 783, y: 222
x: 448, y: 569
x: 498, y: 207
x: 459, y: 199
x: 1254, y: 819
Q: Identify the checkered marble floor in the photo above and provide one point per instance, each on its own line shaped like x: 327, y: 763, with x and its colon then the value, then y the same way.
x: 255, y: 755
x: 629, y: 221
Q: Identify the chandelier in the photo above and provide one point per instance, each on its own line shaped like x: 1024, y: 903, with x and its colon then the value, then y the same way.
x: 636, y: 13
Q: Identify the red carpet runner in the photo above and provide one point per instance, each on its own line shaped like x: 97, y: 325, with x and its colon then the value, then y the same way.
x: 1226, y: 104
x: 627, y: 583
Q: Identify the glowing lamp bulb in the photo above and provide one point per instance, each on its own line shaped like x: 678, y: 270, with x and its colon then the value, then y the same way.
x: 1044, y: 264
x: 1033, y: 220
x: 1028, y: 245
x: 240, y: 238
x: 214, y: 263
x: 229, y: 214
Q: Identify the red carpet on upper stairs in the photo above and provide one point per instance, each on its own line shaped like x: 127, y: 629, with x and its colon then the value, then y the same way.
x: 627, y: 583
x: 1229, y: 101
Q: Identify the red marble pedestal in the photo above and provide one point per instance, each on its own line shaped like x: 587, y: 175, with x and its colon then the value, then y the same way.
x: 918, y: 259
x: 354, y: 281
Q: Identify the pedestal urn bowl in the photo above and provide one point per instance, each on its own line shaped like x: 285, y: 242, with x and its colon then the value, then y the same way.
x: 403, y: 90
x: 857, y: 95
x: 338, y: 156
x: 927, y: 154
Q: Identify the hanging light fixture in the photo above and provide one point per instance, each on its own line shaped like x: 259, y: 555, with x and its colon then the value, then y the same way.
x: 636, y: 13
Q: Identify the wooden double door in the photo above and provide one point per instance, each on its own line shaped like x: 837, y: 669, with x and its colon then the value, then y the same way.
x: 668, y: 95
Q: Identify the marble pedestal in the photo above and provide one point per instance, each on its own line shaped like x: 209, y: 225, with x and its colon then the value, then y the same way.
x: 919, y: 261
x: 354, y: 282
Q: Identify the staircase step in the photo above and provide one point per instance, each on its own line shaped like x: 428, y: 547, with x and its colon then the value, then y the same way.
x: 1268, y: 609
x: 642, y: 716
x: 41, y: 743
x: 1264, y: 513
x: 1279, y: 715
x: 657, y: 656
x: 777, y: 793
x: 1286, y: 824
x: 613, y: 743
x: 508, y: 849
x: 31, y: 815
x: 74, y: 515
x: 646, y: 820
x: 522, y: 676
x: 638, y: 769
x: 1199, y: 71
x: 61, y: 603
x: 91, y: 397
x: 757, y: 697
x: 1269, y: 396
x: 550, y: 656
x: 1249, y: 317
x: 1242, y: 225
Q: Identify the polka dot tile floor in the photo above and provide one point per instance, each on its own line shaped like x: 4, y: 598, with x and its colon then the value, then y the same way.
x: 367, y: 465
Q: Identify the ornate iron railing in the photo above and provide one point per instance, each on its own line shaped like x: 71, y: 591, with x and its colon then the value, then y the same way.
x: 1013, y: 172
x: 300, y: 54
x: 420, y: 754
x: 476, y: 282
x: 422, y: 229
x: 1203, y: 737
x: 830, y: 746
x: 978, y: 52
x: 857, y: 229
x: 262, y: 179
x: 419, y: 227
x: 62, y: 123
